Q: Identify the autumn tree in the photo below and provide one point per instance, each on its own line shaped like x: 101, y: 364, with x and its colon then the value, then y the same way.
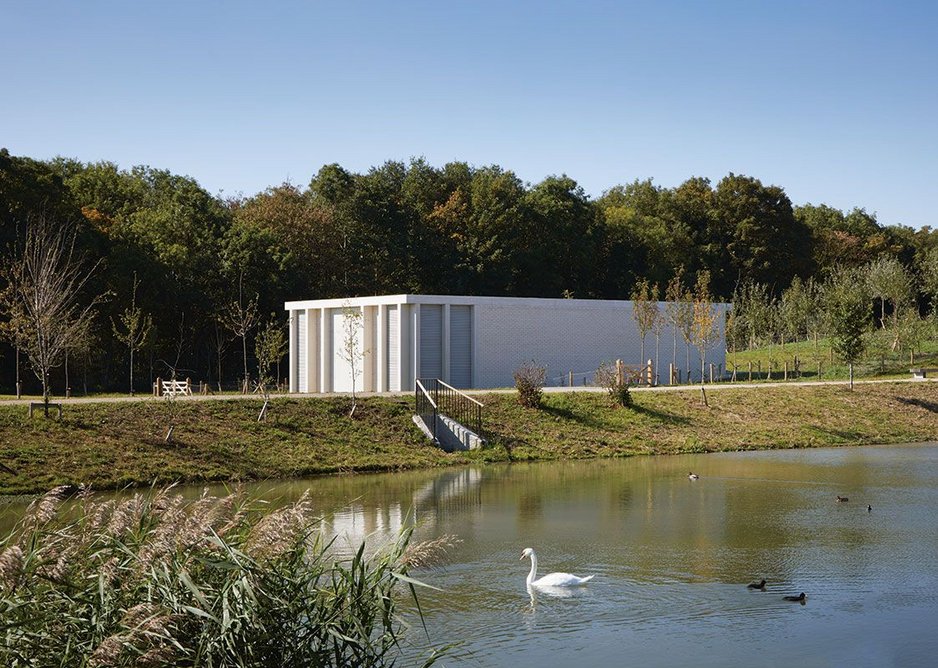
x: 644, y: 311
x: 679, y: 315
x: 705, y: 331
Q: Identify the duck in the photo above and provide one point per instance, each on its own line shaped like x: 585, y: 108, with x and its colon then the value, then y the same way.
x: 551, y: 579
x: 796, y: 599
x: 869, y: 509
x: 693, y: 476
x: 842, y: 499
x: 757, y: 585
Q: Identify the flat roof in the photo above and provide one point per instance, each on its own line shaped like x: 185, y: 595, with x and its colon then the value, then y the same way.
x: 522, y: 302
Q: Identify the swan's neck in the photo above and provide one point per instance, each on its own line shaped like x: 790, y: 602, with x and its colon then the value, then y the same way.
x: 533, y: 573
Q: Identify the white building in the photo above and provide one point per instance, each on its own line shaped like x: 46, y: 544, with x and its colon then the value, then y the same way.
x: 474, y: 342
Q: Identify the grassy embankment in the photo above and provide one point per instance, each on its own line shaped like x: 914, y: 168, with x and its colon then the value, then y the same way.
x: 112, y: 445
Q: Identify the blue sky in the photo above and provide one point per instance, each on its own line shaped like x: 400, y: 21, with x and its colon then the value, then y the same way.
x: 837, y: 102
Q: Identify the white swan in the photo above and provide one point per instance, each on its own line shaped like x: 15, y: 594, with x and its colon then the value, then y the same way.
x: 551, y: 579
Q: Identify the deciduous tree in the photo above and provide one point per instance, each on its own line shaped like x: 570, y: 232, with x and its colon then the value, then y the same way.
x: 847, y: 302
x: 269, y: 347
x: 42, y: 300
x: 351, y: 349
x: 705, y: 331
x: 135, y: 328
x: 241, y: 319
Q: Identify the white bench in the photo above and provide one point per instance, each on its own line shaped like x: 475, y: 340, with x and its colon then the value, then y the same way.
x: 922, y: 374
x: 171, y: 388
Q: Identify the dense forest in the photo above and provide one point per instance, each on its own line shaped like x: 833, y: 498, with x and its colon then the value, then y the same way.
x: 187, y: 259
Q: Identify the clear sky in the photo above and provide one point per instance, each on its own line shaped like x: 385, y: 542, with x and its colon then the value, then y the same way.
x: 837, y: 102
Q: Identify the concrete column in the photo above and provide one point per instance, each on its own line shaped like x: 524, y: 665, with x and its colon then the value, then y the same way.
x: 381, y: 352
x: 403, y: 326
x: 294, y: 356
x: 368, y: 348
x: 325, y: 350
x: 313, y: 352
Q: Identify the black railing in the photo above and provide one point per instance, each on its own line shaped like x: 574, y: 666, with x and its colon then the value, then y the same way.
x: 425, y: 406
x: 434, y: 397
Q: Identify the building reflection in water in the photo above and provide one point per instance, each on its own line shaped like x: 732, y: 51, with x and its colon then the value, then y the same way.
x: 452, y: 492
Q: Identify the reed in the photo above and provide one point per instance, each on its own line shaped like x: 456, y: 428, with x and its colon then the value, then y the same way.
x: 157, y: 580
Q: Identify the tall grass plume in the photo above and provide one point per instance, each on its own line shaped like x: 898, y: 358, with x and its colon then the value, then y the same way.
x: 158, y: 580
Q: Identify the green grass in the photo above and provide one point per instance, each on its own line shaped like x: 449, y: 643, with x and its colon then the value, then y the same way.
x: 111, y: 445
x: 586, y: 425
x: 878, y: 362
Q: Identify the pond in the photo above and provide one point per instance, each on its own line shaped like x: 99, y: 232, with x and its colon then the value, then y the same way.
x: 671, y: 557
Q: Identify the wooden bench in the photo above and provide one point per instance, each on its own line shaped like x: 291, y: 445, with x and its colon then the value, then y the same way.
x: 39, y: 405
x: 922, y: 374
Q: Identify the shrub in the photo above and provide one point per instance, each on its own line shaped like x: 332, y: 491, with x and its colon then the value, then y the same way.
x: 529, y: 381
x: 156, y: 580
x: 615, y: 383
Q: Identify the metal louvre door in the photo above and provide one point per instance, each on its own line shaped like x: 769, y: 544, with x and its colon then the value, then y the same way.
x: 431, y: 341
x: 394, y: 350
x: 460, y: 346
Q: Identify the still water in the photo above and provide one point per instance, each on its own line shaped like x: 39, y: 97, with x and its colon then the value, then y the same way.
x: 671, y: 557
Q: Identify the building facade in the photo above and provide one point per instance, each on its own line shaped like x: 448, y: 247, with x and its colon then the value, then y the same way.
x: 476, y: 342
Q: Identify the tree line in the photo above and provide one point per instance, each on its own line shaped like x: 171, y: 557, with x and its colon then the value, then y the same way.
x: 189, y: 279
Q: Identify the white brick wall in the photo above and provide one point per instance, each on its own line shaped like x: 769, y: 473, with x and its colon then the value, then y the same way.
x: 563, y: 335
x: 571, y: 335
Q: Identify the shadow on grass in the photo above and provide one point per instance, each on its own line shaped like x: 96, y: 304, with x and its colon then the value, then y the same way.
x: 574, y: 416
x: 661, y: 416
x: 589, y: 421
x: 930, y: 406
x: 845, y: 436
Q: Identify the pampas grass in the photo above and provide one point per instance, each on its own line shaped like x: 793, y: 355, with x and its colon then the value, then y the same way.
x: 156, y: 580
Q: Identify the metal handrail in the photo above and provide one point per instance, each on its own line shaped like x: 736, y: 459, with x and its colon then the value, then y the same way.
x: 422, y: 402
x: 448, y: 401
x: 448, y: 386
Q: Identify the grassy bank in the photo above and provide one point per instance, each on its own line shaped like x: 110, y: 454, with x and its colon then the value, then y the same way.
x: 112, y: 445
